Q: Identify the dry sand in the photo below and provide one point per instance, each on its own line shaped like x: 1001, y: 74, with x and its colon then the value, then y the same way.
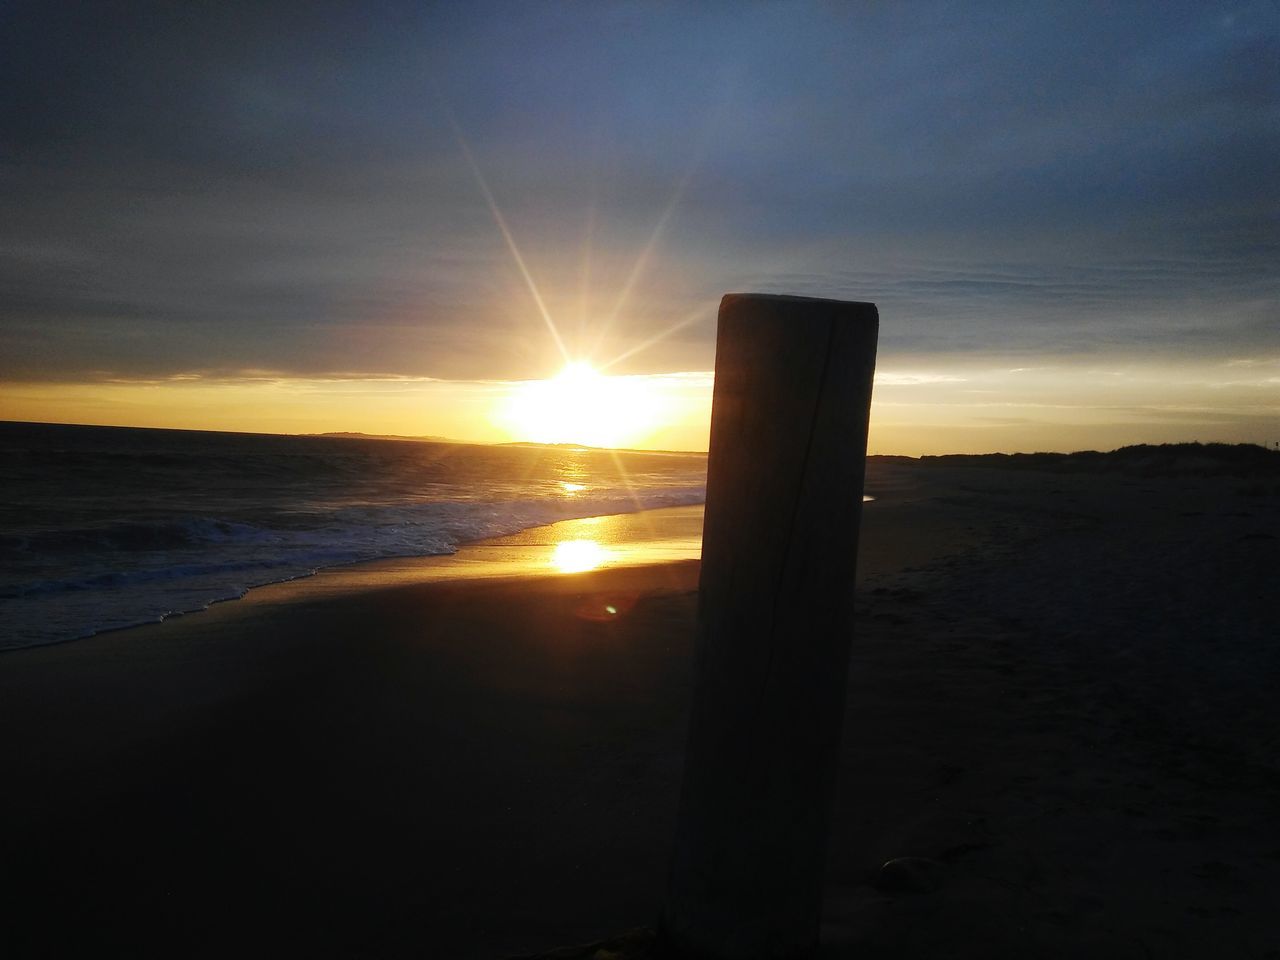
x: 1061, y: 695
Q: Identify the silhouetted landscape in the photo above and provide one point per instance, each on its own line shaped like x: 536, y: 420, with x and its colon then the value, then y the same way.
x: 1144, y: 459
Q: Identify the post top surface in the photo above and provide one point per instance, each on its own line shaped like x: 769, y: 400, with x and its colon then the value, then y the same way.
x: 791, y: 298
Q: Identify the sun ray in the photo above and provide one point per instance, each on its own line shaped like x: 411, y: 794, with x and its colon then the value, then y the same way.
x: 584, y: 280
x: 642, y: 261
x: 506, y: 234
x: 631, y: 490
x: 694, y: 316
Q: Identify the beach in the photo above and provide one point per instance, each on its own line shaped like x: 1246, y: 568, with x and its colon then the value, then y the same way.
x: 1060, y: 698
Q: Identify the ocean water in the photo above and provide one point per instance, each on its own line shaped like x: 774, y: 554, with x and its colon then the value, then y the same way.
x: 106, y: 527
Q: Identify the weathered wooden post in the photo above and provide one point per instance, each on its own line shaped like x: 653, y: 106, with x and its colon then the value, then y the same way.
x: 780, y: 539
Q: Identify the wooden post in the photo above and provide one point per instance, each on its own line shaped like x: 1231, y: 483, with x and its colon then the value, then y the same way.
x: 775, y: 611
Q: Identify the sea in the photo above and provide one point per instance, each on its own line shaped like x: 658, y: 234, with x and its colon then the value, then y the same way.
x: 107, y: 527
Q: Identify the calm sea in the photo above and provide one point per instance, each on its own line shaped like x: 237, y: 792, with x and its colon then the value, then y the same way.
x: 105, y: 527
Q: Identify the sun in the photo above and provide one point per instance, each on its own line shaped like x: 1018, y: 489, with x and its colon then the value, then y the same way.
x: 582, y: 405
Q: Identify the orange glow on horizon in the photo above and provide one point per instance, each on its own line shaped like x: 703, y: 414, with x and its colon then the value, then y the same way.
x: 932, y: 406
x: 669, y: 412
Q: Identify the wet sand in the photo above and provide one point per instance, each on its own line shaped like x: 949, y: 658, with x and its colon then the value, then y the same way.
x: 1061, y: 694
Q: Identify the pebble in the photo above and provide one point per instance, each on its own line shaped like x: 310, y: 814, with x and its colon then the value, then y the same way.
x: 910, y: 875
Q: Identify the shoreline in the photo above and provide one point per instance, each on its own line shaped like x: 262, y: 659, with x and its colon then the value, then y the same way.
x: 627, y: 543
x: 646, y: 537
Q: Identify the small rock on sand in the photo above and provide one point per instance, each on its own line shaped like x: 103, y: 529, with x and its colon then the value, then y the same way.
x: 909, y: 875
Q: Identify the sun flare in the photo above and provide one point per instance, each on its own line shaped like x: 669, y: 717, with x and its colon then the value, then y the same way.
x: 582, y: 405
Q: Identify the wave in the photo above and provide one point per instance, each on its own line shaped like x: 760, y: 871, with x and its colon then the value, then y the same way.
x: 129, y: 535
x: 137, y: 571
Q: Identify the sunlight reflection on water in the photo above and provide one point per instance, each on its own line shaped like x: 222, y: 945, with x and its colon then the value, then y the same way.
x: 577, y: 556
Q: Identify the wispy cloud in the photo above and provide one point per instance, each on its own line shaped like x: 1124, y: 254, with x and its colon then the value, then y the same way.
x: 890, y: 378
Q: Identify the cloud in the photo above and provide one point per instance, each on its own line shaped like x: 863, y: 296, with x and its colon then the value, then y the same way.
x: 894, y: 379
x: 277, y: 185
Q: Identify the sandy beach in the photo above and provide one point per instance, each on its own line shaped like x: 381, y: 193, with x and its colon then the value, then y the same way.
x: 1060, y: 697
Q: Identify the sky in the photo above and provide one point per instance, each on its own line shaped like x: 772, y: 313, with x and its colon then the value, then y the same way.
x: 382, y: 217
